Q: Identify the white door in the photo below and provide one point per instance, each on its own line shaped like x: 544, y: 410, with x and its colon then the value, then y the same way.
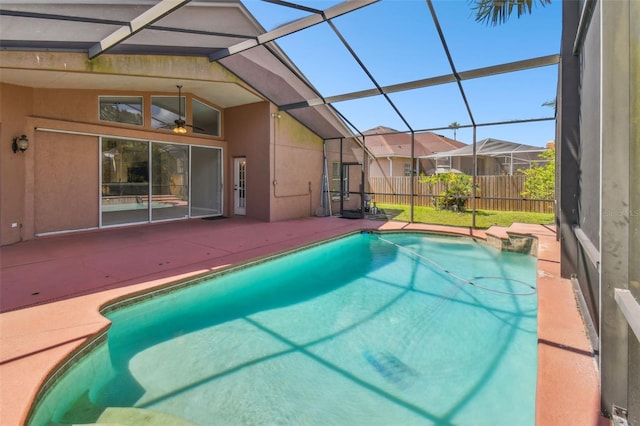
x: 240, y: 186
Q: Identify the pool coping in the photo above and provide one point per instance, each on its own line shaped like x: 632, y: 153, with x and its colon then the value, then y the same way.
x: 36, y: 339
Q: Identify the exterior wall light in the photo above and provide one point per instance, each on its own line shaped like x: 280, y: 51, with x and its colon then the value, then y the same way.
x: 21, y: 143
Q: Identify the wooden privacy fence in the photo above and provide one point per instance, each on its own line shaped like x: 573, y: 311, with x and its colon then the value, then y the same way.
x: 494, y: 193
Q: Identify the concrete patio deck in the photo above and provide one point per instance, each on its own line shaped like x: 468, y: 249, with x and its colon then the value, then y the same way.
x: 51, y: 290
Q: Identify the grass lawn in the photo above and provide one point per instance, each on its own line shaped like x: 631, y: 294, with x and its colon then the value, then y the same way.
x: 484, y: 218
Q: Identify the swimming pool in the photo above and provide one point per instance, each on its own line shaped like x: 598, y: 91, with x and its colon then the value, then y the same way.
x: 368, y: 329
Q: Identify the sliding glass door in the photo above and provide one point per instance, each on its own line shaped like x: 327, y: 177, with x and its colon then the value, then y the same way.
x: 170, y: 181
x: 146, y: 181
x: 125, y: 181
x: 206, y: 181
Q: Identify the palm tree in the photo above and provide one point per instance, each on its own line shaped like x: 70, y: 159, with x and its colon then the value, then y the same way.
x: 455, y: 126
x: 496, y: 12
x: 550, y: 103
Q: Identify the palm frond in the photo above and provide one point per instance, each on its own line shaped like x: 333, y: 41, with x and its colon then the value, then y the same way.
x: 496, y: 12
x: 550, y: 103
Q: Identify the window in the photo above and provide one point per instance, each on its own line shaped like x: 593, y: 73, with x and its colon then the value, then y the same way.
x: 336, y: 187
x: 165, y: 110
x: 407, y: 169
x: 206, y: 120
x: 121, y: 109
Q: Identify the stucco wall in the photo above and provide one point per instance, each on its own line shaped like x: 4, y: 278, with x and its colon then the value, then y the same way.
x: 247, y: 132
x: 284, y: 162
x: 296, y: 157
x: 66, y: 182
x: 15, y: 104
x: 598, y: 139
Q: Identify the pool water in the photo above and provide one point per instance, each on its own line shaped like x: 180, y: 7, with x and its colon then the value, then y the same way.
x: 135, y: 206
x: 365, y: 330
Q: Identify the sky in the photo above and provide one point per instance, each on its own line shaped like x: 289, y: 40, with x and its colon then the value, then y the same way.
x: 397, y: 42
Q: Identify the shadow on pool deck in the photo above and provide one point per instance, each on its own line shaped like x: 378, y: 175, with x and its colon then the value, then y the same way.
x: 51, y: 290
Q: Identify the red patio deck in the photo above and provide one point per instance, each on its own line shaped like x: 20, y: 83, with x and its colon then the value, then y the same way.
x: 51, y: 290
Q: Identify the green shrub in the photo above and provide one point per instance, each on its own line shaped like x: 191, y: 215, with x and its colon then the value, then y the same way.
x: 458, y: 187
x: 540, y: 181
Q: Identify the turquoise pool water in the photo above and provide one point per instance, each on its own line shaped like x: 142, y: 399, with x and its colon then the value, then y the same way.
x: 369, y: 329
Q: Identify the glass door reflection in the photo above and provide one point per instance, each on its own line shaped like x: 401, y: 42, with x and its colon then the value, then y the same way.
x: 206, y: 181
x: 170, y: 181
x: 125, y: 181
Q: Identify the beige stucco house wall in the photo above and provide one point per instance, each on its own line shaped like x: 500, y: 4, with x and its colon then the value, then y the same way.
x: 54, y: 186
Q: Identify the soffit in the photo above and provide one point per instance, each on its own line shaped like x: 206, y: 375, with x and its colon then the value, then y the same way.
x: 225, y: 95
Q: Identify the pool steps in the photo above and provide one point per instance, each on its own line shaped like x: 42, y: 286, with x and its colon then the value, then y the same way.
x: 502, y: 238
x: 120, y: 416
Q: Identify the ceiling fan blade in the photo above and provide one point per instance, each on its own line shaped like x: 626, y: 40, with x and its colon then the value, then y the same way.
x: 195, y: 127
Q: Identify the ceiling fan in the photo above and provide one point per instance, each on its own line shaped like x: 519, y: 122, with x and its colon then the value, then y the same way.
x: 180, y: 125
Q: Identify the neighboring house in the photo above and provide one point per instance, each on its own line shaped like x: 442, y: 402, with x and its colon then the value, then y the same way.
x: 391, y: 152
x: 495, y: 157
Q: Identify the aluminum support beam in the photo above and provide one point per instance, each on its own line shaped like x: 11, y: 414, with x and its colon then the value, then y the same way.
x: 137, y: 24
x: 589, y: 248
x: 526, y: 64
x: 292, y: 27
x: 542, y: 61
x: 630, y: 309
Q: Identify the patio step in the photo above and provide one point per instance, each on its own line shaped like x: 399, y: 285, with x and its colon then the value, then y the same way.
x: 510, y: 239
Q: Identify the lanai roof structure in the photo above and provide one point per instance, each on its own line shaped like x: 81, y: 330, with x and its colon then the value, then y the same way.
x: 427, y: 68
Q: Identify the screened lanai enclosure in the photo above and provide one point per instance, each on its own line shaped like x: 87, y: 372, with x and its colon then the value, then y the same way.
x: 381, y: 187
x: 423, y: 85
x: 420, y: 81
x: 389, y: 89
